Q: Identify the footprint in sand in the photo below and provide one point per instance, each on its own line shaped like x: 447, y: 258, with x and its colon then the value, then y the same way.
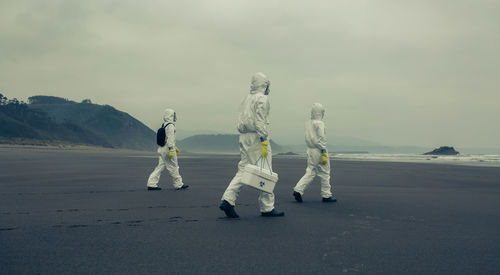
x: 175, y: 219
x: 8, y: 228
x: 77, y: 225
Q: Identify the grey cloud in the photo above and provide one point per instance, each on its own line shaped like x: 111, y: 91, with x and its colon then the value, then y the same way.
x: 395, y: 72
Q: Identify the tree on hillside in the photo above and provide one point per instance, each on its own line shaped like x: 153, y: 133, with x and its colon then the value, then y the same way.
x: 3, y: 99
x: 43, y: 99
x: 14, y: 101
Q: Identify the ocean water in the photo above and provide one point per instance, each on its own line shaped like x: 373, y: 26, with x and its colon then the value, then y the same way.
x: 462, y: 159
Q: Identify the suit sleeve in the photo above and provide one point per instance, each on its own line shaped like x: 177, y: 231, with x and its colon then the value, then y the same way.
x: 170, y: 133
x: 321, y: 134
x: 261, y: 111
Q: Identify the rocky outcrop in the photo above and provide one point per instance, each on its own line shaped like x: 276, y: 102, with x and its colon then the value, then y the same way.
x: 443, y: 150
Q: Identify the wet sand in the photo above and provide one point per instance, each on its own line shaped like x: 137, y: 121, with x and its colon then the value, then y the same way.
x: 87, y: 211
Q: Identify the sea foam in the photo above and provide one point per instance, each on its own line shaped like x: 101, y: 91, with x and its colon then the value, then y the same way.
x: 462, y: 159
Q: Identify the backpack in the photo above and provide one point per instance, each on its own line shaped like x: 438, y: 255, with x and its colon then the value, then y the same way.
x: 161, y: 135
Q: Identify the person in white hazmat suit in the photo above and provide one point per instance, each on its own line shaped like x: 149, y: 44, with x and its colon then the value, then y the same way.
x: 254, y: 143
x: 168, y: 155
x: 318, y: 163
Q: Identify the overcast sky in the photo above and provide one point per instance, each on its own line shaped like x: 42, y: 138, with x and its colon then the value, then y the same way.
x: 393, y: 72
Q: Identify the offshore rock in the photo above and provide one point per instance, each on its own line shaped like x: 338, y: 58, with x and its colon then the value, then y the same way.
x: 443, y: 150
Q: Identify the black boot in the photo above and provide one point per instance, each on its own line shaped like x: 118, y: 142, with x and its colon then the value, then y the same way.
x: 297, y: 196
x: 273, y: 213
x: 154, y: 188
x: 228, y: 209
x: 182, y: 187
x: 330, y: 199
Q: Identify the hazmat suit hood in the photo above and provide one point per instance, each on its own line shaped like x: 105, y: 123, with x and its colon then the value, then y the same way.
x: 169, y: 116
x: 317, y: 111
x: 260, y: 84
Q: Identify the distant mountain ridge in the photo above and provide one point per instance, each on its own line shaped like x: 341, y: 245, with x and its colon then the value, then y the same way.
x: 55, y: 118
x: 52, y: 118
x: 218, y: 143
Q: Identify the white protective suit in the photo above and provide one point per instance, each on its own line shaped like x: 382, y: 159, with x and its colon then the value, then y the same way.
x: 253, y: 128
x: 172, y: 166
x: 316, y: 144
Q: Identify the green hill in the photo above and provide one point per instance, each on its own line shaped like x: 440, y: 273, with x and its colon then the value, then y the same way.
x: 57, y: 119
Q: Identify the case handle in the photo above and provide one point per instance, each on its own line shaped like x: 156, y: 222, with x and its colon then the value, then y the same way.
x: 262, y: 164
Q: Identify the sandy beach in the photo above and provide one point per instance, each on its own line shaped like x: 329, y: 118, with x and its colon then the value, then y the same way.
x: 88, y: 211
